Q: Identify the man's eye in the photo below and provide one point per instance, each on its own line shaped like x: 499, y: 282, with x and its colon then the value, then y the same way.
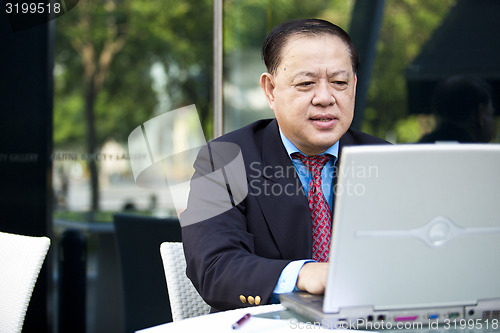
x: 305, y: 84
x: 341, y: 85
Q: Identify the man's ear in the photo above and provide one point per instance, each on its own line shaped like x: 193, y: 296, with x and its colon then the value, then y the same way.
x: 268, y: 85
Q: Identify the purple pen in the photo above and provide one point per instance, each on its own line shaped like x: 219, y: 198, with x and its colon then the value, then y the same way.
x: 241, y: 321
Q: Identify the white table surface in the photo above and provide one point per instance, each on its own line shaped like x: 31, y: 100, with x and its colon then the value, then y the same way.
x: 222, y: 321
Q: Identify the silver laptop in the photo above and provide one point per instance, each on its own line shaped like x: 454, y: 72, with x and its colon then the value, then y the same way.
x: 416, y: 240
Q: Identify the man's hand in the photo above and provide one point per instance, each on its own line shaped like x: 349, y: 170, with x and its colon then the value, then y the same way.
x: 312, y: 277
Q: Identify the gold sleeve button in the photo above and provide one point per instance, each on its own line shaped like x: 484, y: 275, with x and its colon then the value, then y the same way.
x: 257, y: 300
x: 251, y: 300
x: 243, y: 299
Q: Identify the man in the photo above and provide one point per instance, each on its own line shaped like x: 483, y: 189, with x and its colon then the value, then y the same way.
x: 463, y: 105
x: 264, y: 244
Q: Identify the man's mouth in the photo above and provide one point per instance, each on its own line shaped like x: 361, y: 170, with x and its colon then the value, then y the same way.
x: 324, y: 121
x: 321, y: 119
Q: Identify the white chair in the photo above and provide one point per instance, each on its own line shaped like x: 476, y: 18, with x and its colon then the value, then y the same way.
x: 21, y: 258
x: 185, y: 301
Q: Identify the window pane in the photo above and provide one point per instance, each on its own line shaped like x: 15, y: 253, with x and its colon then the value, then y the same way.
x: 119, y: 65
x: 398, y: 98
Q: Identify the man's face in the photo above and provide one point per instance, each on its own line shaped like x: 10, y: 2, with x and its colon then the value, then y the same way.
x: 312, y: 92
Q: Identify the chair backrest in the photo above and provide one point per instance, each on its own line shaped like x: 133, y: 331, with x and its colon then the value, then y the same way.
x: 185, y: 301
x: 146, y: 301
x: 21, y: 258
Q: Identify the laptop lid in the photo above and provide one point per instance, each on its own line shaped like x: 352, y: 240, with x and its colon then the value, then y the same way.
x: 415, y: 226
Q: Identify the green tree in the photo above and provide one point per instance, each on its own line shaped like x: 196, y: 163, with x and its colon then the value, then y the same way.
x: 104, y: 54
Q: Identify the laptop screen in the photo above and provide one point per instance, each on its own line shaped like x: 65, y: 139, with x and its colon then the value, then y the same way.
x: 415, y: 226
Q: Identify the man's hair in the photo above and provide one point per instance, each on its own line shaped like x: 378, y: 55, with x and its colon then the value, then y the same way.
x: 458, y: 97
x: 279, y: 35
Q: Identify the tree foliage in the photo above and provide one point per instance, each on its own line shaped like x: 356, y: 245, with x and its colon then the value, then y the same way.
x: 175, y: 33
x: 104, y: 54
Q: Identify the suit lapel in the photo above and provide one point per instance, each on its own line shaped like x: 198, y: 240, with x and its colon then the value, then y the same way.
x: 282, y: 200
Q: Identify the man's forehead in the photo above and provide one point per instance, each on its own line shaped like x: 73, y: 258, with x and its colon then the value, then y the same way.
x: 296, y: 41
x: 296, y: 46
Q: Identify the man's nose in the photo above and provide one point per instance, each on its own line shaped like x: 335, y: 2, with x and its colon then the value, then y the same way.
x: 323, y: 94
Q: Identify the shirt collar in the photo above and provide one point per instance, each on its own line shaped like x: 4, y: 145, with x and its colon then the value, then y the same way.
x: 291, y: 148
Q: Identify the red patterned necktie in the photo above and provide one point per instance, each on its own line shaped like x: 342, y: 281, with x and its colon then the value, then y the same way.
x: 320, y: 212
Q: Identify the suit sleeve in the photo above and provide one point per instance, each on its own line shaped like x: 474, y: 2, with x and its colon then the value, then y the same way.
x: 222, y: 261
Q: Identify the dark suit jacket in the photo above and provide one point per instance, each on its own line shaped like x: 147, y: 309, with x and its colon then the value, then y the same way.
x: 242, y: 251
